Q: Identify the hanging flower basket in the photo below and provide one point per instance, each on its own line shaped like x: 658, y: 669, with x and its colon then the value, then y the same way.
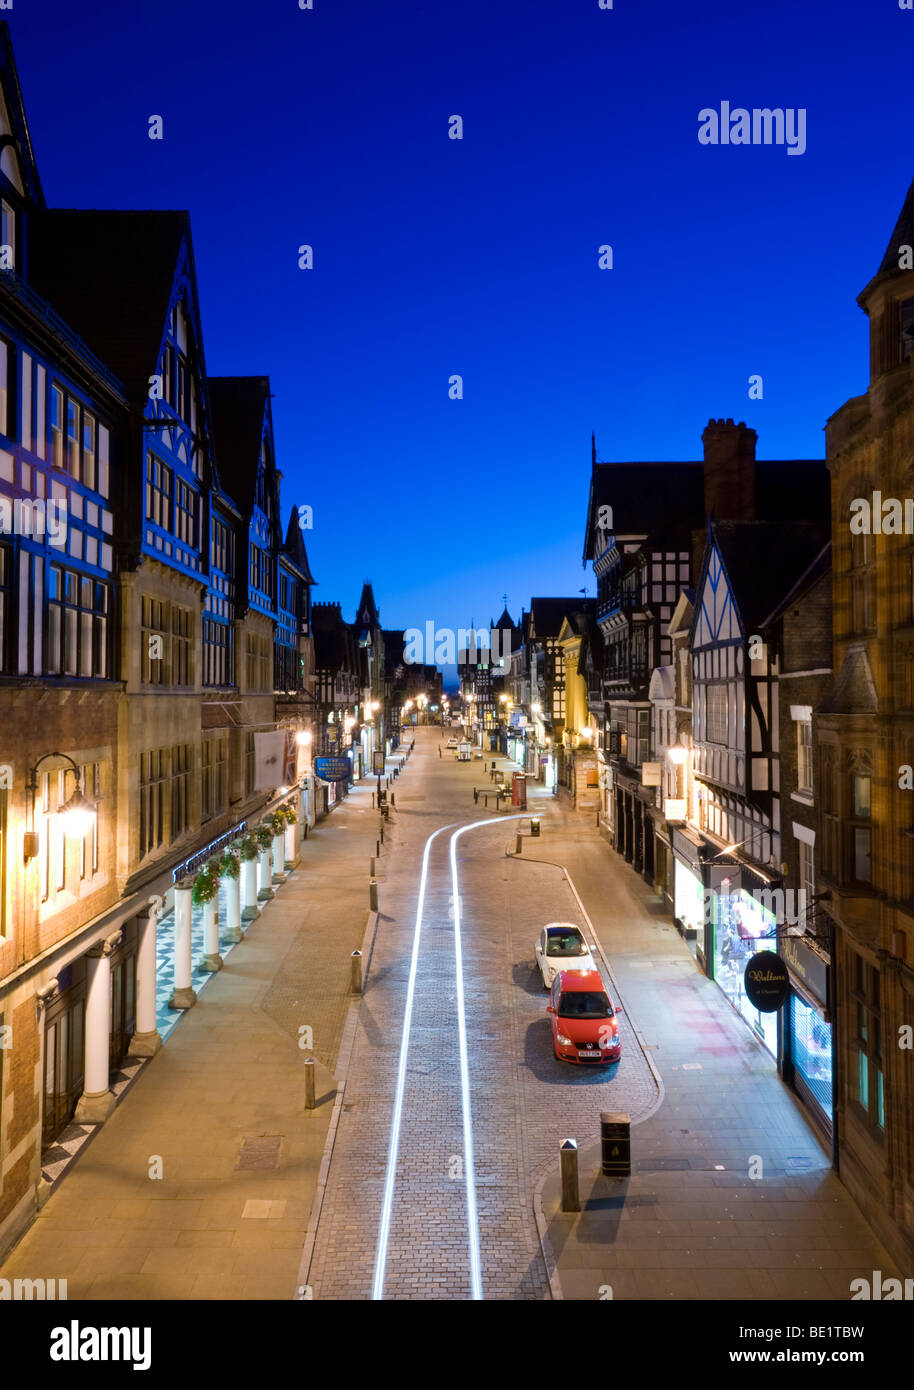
x: 247, y: 847
x: 277, y: 823
x: 287, y: 814
x: 206, y: 886
x: 229, y: 865
x: 264, y: 836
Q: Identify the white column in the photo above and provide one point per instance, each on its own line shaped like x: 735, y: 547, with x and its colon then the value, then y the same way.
x: 211, y: 959
x: 279, y: 857
x: 232, y: 888
x: 145, y: 1041
x: 182, y: 996
x: 96, y: 1102
x: 265, y: 875
x: 291, y: 837
x: 249, y: 890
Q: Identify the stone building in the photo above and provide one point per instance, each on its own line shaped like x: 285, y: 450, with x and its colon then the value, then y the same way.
x: 864, y: 749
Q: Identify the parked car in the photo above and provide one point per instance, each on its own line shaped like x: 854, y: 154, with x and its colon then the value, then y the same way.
x: 451, y: 743
x: 584, y: 1027
x: 562, y: 946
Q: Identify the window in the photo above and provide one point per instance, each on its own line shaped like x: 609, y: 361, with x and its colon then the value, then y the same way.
x: 72, y: 438
x: 905, y: 329
x: 222, y: 550
x: 249, y: 763
x: 865, y: 1076
x: 863, y: 611
x: 153, y: 776
x: 257, y: 663
x: 213, y: 778
x: 828, y: 795
x: 260, y: 571
x: 56, y: 427
x: 718, y: 723
x: 804, y: 755
x: 158, y: 492
x: 41, y: 426
x: 7, y: 357
x: 182, y: 634
x: 77, y: 639
x: 862, y: 835
x: 6, y: 570
x: 89, y: 450
x: 185, y: 514
x: 8, y: 235
x: 807, y: 880
x: 153, y: 638
x: 217, y: 649
x: 181, y: 764
x: 89, y: 782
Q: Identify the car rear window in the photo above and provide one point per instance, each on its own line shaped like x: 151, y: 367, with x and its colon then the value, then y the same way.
x: 565, y: 943
x: 584, y: 1003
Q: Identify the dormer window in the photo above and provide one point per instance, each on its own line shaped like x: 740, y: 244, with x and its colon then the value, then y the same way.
x: 905, y: 329
x: 7, y: 235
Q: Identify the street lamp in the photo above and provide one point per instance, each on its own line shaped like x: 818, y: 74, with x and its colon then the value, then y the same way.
x: 77, y: 814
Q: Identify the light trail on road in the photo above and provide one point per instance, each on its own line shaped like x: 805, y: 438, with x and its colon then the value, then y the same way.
x: 396, y: 1123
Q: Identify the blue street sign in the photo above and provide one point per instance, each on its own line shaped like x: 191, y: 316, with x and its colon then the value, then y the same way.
x: 333, y: 769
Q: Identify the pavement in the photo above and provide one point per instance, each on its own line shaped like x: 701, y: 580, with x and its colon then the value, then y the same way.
x: 691, y: 1223
x: 201, y: 1183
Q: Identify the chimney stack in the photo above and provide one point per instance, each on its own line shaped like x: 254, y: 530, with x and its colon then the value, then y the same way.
x: 729, y: 471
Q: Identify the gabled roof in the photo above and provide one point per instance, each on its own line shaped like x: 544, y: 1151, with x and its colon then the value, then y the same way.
x: 681, y: 620
x: 294, y: 548
x: 576, y: 622
x: 505, y: 623
x: 810, y: 576
x: 111, y: 276
x: 645, y: 497
x: 903, y: 235
x: 9, y: 77
x: 764, y: 560
x: 238, y: 405
x: 546, y: 614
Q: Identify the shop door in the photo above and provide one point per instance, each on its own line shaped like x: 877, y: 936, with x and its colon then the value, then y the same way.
x: 64, y: 1039
x: 123, y: 1008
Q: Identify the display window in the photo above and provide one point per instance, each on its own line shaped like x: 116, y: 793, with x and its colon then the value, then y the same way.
x: 812, y: 1052
x: 742, y: 927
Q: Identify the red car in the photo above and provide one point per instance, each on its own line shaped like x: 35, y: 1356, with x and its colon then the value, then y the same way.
x: 584, y: 1027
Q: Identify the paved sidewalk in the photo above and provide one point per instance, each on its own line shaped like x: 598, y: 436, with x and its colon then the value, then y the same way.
x: 690, y: 1223
x: 222, y: 1107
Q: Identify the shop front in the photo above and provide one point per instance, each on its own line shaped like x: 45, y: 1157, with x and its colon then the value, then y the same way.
x: 64, y: 1035
x: 517, y: 748
x: 806, y: 1061
x: 689, y: 915
x: 741, y: 926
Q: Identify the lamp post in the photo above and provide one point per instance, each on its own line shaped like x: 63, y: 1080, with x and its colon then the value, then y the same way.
x: 77, y: 814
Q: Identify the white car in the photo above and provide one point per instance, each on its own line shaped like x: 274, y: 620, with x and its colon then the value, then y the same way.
x: 562, y: 946
x: 452, y: 743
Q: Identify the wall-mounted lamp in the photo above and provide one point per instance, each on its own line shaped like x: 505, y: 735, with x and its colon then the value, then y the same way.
x: 77, y: 814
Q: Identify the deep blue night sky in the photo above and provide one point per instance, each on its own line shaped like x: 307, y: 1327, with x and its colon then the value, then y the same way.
x: 479, y: 257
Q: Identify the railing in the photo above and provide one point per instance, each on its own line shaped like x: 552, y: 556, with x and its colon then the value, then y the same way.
x: 189, y: 865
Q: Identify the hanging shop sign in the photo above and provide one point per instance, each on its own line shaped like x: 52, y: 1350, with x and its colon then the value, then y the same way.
x: 333, y: 769
x: 767, y: 982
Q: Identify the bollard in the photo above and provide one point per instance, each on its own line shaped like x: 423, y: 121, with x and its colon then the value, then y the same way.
x: 372, y: 800
x: 571, y: 1199
x: 371, y: 869
x: 616, y: 1144
x: 356, y: 978
x: 475, y: 795
x: 309, y: 1083
x: 377, y: 848
x: 519, y: 844
x: 373, y: 894
x: 393, y: 798
x: 382, y: 832
x: 486, y: 799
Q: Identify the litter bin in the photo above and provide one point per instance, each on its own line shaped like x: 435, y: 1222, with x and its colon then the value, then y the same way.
x: 616, y: 1144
